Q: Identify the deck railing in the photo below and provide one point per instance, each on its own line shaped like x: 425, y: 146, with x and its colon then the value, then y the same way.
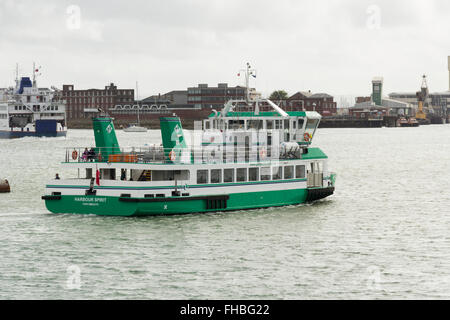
x: 192, y: 154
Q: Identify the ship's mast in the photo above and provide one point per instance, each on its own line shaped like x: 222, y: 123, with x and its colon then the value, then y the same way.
x: 137, y: 101
x: 248, y: 72
x: 34, y: 74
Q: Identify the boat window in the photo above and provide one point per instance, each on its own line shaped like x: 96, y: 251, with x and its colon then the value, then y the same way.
x: 162, y: 175
x: 277, y: 124
x: 236, y: 124
x: 241, y: 174
x: 160, y: 195
x: 269, y: 124
x: 253, y: 174
x: 216, y: 175
x: 202, y: 176
x: 289, y: 172
x: 265, y: 173
x: 149, y: 195
x: 300, y: 172
x: 286, y: 124
x: 294, y: 125
x: 206, y: 125
x: 228, y: 175
x: 277, y: 173
x: 254, y: 124
x: 108, y: 174
x: 300, y: 123
x: 311, y: 123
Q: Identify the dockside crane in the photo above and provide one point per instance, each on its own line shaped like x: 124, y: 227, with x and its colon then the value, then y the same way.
x: 422, y: 96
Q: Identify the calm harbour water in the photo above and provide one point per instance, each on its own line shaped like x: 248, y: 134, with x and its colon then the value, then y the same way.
x: 384, y: 234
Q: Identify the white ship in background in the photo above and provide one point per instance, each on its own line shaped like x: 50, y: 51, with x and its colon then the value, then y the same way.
x: 26, y: 110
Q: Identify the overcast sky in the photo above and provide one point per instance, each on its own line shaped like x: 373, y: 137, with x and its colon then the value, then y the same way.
x: 324, y: 46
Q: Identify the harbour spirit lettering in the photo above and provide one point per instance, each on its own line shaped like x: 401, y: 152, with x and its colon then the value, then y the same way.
x: 86, y: 199
x: 192, y: 310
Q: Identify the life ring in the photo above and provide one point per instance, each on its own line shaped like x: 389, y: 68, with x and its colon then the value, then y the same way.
x: 262, y: 153
x: 172, y: 155
x: 74, y: 155
x: 306, y: 136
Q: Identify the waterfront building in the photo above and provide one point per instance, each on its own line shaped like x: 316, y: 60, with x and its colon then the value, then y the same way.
x: 79, y: 100
x: 322, y: 103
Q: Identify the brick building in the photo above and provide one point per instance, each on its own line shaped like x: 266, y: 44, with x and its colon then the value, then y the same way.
x: 203, y: 96
x: 78, y: 100
x: 305, y: 100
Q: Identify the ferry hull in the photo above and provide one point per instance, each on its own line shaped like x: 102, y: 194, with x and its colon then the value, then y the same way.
x: 117, y: 206
x: 21, y: 134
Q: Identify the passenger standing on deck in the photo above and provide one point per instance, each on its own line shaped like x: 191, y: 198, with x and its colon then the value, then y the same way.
x: 92, y: 154
x: 85, y: 154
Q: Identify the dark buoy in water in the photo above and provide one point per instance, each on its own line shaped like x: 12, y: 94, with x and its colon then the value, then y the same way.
x: 4, y: 186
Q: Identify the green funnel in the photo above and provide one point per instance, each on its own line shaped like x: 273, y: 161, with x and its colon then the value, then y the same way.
x: 172, y: 138
x: 105, y: 138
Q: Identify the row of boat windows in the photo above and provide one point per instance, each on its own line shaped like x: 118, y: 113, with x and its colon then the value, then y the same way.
x: 250, y: 174
x: 204, y: 176
x: 262, y: 124
x: 36, y: 108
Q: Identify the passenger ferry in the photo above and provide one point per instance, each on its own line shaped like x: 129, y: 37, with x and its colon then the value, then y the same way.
x: 29, y: 111
x: 236, y: 160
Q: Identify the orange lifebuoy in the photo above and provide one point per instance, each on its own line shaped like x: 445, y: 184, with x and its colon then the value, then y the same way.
x: 172, y: 156
x: 307, y: 136
x: 74, y: 155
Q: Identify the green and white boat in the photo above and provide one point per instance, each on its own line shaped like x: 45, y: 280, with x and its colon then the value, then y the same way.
x: 236, y: 160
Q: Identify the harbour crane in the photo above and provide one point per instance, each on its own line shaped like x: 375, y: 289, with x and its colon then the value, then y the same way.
x: 422, y: 96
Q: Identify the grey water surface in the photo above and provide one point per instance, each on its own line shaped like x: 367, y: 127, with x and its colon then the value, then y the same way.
x: 384, y: 234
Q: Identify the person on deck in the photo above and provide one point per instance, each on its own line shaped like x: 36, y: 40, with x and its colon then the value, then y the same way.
x: 85, y: 155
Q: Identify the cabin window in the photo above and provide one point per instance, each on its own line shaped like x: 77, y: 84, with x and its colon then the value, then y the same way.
x: 88, y: 173
x: 269, y: 124
x: 277, y: 173
x: 207, y: 125
x: 254, y: 124
x: 300, y: 172
x: 160, y: 195
x: 294, y: 125
x: 277, y: 124
x: 202, y: 176
x: 149, y: 195
x: 236, y: 124
x: 108, y: 174
x: 286, y: 124
x: 216, y: 176
x: 265, y: 173
x: 228, y: 175
x: 289, y: 172
x: 300, y: 123
x: 253, y: 174
x: 241, y: 174
x: 311, y: 123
